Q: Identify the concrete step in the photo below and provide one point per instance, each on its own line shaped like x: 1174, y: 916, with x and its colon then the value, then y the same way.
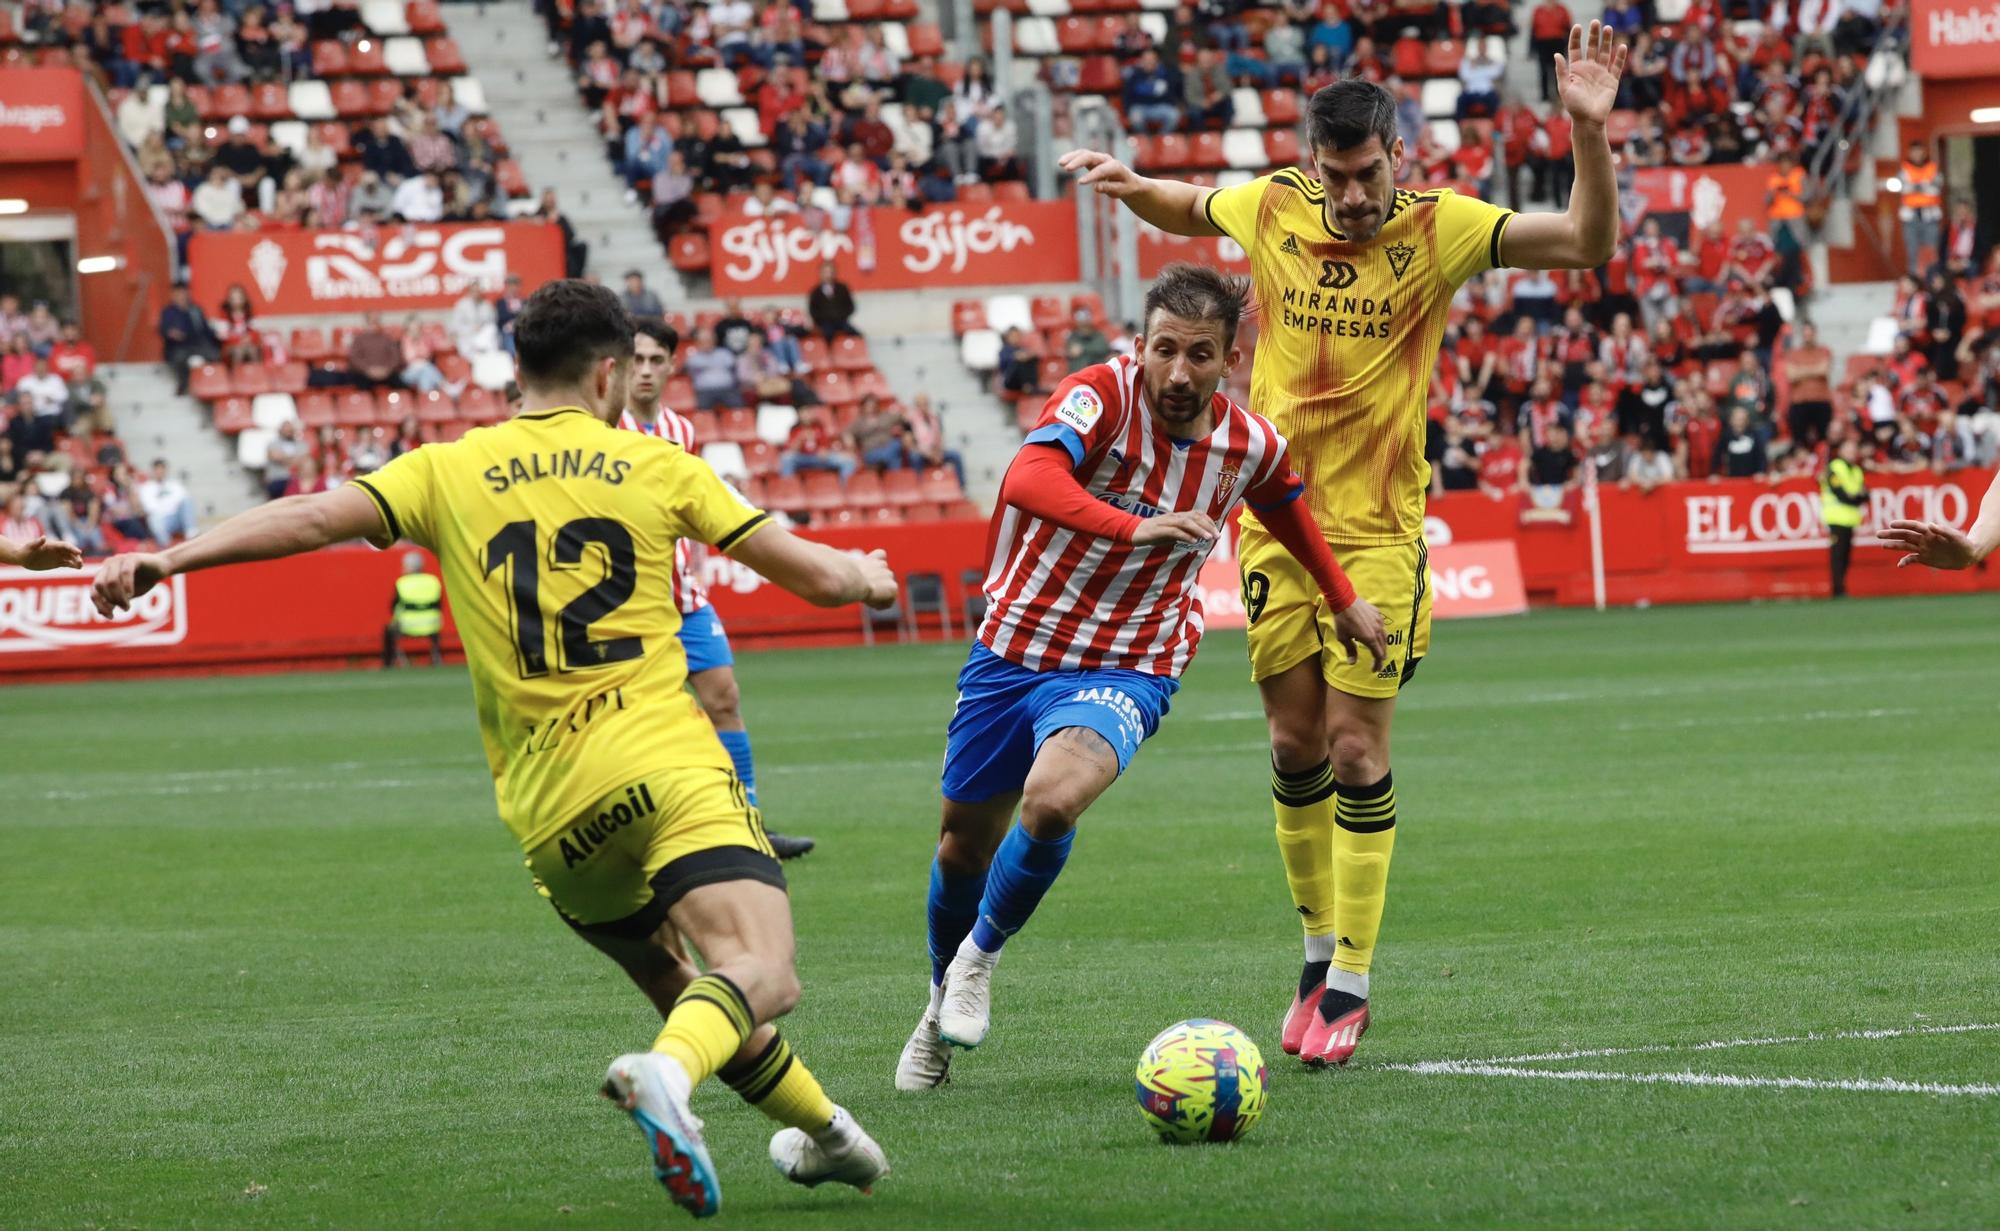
x: 156, y: 423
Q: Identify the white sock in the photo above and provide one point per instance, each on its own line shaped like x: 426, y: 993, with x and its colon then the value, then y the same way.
x: 937, y: 997
x: 973, y: 953
x: 1319, y: 948
x: 1349, y: 982
x: 838, y: 1133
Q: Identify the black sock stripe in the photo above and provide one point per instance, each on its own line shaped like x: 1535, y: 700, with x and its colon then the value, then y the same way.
x: 1364, y: 826
x: 1305, y: 787
x: 734, y: 1073
x: 1302, y: 777
x: 1374, y: 790
x: 719, y: 991
x: 728, y: 1010
x: 762, y: 1089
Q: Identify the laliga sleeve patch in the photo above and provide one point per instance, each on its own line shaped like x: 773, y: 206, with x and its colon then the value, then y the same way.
x: 1080, y: 410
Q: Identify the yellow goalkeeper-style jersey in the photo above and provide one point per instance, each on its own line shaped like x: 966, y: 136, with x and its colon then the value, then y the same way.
x: 556, y: 532
x: 1348, y: 337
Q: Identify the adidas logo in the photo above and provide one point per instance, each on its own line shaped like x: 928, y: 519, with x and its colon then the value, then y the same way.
x: 1348, y: 944
x: 1291, y: 245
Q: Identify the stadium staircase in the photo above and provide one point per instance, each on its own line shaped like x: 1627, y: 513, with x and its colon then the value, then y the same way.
x: 532, y: 95
x: 155, y: 422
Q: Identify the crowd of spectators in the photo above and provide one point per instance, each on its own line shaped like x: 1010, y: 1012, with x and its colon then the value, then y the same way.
x: 63, y: 469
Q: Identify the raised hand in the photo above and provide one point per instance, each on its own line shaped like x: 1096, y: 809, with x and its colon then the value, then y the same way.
x: 1587, y: 78
x: 1184, y: 527
x: 1938, y: 546
x: 43, y: 552
x: 1103, y: 172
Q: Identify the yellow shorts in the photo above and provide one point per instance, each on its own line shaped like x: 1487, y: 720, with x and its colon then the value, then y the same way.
x: 619, y: 867
x: 1290, y: 624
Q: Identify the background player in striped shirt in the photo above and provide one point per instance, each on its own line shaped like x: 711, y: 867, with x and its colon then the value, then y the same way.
x: 1105, y: 518
x: 1355, y: 279
x: 711, y: 663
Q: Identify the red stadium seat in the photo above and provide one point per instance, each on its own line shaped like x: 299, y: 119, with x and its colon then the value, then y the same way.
x: 329, y: 58
x: 681, y: 91
x: 900, y: 487
x: 834, y: 388
x: 1076, y: 35
x: 1048, y: 312
x: 364, y: 59
x: 962, y: 510
x: 384, y: 93
x: 309, y: 345
x: 785, y: 493
x: 269, y: 101
x: 1720, y: 373
x: 1281, y: 108
x: 900, y: 10
x: 967, y: 315
x: 210, y: 381
x: 925, y: 40
x: 940, y: 484
x: 232, y: 415
x: 1052, y: 371
x: 1442, y: 58
x: 355, y: 409
x: 921, y: 512
x: 689, y: 253
x: 737, y: 426
x: 822, y: 492
x: 761, y: 457
x: 864, y: 490
x: 865, y: 10
x: 435, y: 407
x: 1205, y: 151
x: 350, y: 98
x: 1282, y: 146
x: 445, y: 58
x: 1089, y: 300
x: 315, y: 410
x: 1173, y: 152
x: 1146, y: 153
x: 873, y: 382
x: 478, y: 405
x: 679, y: 391
x: 251, y: 379
x: 512, y: 181
x: 1620, y: 127
x: 1098, y: 75
x: 334, y: 136
x: 289, y: 377
x: 424, y: 18
x: 851, y: 354
x: 1011, y: 190
x: 1406, y: 58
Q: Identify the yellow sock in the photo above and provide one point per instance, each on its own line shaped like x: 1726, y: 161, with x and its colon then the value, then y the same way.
x: 1305, y: 808
x: 709, y: 1022
x: 1364, y: 835
x: 780, y: 1085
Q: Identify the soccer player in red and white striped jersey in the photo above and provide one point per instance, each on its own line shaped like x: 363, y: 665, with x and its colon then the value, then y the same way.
x: 1106, y: 516
x: 711, y: 665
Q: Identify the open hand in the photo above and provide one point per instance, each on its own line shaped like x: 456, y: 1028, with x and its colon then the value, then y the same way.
x: 1587, y: 78
x: 124, y: 578
x: 1929, y: 543
x: 42, y: 552
x: 1361, y: 625
x: 1103, y: 172
x: 1185, y: 527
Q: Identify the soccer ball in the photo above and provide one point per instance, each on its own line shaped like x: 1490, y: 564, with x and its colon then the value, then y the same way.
x: 1201, y: 1080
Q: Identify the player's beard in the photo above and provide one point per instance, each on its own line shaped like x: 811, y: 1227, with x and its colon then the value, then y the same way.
x: 1178, y: 411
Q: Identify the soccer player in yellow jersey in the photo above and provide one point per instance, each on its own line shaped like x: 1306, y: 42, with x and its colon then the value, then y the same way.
x: 556, y: 533
x: 1354, y: 280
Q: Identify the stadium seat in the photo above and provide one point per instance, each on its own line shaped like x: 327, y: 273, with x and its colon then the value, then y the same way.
x: 423, y: 17
x: 315, y: 410
x: 1446, y: 134
x: 822, y: 492
x: 975, y: 194
x: 1248, y: 106
x: 481, y: 406
x: 1091, y: 301
x: 925, y: 40
x: 833, y: 388
x: 1441, y: 58
x: 738, y: 427
x: 966, y: 316
x: 1049, y: 8
x: 864, y: 490
x: 1036, y: 36
x: 289, y: 136
x: 774, y: 423
x: 226, y: 102
x: 1245, y: 149
x: 250, y: 380
x: 493, y: 371
x: 901, y: 487
x: 979, y: 350
x: 1440, y: 97
x: 1004, y: 312
x: 270, y: 101
x: 405, y: 57
x: 445, y: 57
x: 783, y: 492
x: 922, y: 511
x: 1281, y: 147
x: 355, y: 408
x: 329, y: 59
x: 1098, y: 75
x: 830, y: 12
x: 717, y: 88
x: 1281, y: 108
x: 272, y: 410
x: 470, y: 94
x: 349, y: 99
x: 253, y: 448
x: 896, y: 40
x: 850, y: 354
x: 385, y: 16
x: 435, y: 407
x: 233, y: 415
x: 1049, y: 312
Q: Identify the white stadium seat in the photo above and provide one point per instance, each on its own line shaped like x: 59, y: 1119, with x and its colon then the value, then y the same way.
x: 727, y: 459
x: 1667, y: 11
x: 1160, y: 6
x: 271, y: 411
x: 1244, y: 148
x: 290, y: 136
x: 1881, y: 336
x: 980, y: 349
x: 1440, y: 97
x: 405, y: 57
x: 470, y: 94
x: 1004, y: 312
x: 253, y: 447
x: 311, y: 100
x: 896, y: 38
x: 775, y: 422
x: 1446, y: 134
x: 1154, y: 24
x: 716, y: 87
x: 1048, y: 8
x: 1230, y: 179
x: 1249, y: 107
x: 743, y: 122
x: 493, y: 370
x: 1496, y: 48
x: 1036, y: 36
x: 385, y: 16
x: 832, y: 12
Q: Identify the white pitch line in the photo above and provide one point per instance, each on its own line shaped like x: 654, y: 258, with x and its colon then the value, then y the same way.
x: 1464, y: 1068
x: 1726, y: 1044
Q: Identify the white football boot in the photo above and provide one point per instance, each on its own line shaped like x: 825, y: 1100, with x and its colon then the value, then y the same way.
x: 843, y: 1153
x: 966, y: 1012
x: 654, y: 1090
x: 926, y: 1060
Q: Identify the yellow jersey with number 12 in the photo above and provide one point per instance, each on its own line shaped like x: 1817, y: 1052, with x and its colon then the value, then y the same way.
x: 556, y: 532
x: 1348, y: 336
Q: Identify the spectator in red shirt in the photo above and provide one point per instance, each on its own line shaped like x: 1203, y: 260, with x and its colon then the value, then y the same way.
x: 1543, y: 412
x: 1698, y: 437
x: 1923, y: 401
x: 1752, y: 257
x: 1474, y: 161
x: 1519, y: 357
x: 869, y: 131
x: 1708, y: 260
x: 308, y: 479
x: 1500, y: 468
x: 1477, y: 357
x: 814, y: 445
x: 1549, y: 154
x: 1655, y: 262
x: 73, y: 359
x: 1548, y: 34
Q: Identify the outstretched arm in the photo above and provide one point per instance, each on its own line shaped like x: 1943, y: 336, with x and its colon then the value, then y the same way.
x: 1041, y: 484
x: 1585, y: 235
x: 287, y: 527
x: 39, y: 553
x: 823, y: 576
x: 1942, y: 546
x: 1171, y: 205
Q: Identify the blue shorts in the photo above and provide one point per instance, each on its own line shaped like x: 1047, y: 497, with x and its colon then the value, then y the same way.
x: 706, y: 643
x: 1005, y: 711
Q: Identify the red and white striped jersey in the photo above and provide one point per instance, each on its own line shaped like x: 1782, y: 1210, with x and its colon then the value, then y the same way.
x: 689, y: 593
x: 1059, y: 600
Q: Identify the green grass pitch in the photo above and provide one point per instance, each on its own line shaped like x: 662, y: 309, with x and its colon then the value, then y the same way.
x: 270, y: 962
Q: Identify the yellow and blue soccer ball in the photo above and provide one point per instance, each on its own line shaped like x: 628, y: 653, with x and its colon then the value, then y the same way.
x: 1201, y: 1080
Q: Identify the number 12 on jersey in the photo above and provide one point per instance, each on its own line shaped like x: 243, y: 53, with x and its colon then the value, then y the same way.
x: 516, y: 554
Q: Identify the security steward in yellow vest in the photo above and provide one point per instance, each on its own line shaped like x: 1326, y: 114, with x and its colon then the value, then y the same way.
x: 1843, y: 498
x: 416, y: 611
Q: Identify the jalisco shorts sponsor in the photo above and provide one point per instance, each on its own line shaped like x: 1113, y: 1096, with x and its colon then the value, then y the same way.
x: 621, y: 865
x: 1290, y: 624
x: 1006, y: 711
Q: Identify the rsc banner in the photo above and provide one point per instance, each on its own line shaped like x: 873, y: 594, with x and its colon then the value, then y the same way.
x: 392, y: 268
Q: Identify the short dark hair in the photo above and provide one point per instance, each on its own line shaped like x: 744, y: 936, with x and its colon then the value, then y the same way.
x: 653, y: 327
x: 1199, y: 293
x: 567, y: 326
x: 1347, y: 113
